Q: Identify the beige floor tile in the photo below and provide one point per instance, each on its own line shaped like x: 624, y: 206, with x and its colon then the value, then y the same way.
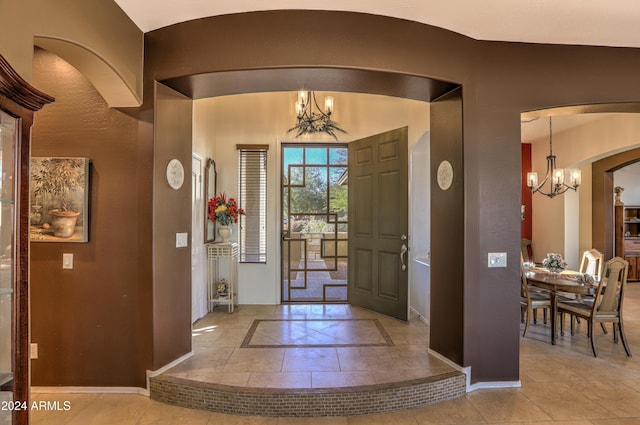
x: 505, y: 405
x: 255, y: 360
x: 616, y: 398
x: 355, y: 333
x: 222, y: 419
x: 563, y: 402
x: 562, y: 384
x: 459, y: 411
x: 163, y: 414
x: 367, y: 363
x: 234, y: 379
x: 108, y: 409
x: 341, y: 379
x: 310, y: 360
x: 338, y: 420
x: 387, y: 376
x: 212, y: 360
x: 280, y: 380
x: 394, y: 418
x: 76, y: 402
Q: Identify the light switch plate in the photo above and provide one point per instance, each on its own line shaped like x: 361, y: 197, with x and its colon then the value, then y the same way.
x: 34, y: 350
x: 497, y: 259
x: 67, y: 261
x: 182, y: 240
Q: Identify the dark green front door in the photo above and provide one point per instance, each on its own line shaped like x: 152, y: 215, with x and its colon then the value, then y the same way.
x: 378, y: 223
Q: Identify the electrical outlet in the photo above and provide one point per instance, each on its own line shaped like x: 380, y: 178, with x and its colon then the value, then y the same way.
x: 497, y: 259
x: 34, y: 350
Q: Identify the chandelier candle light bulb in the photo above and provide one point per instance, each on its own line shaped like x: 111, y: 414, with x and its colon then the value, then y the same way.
x: 328, y: 105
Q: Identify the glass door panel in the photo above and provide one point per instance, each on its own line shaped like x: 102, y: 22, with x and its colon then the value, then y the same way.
x: 314, y: 223
x: 8, y: 137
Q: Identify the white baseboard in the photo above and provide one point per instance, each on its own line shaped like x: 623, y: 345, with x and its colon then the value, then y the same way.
x: 467, y: 371
x: 420, y: 316
x: 493, y: 384
x: 111, y: 390
x: 163, y: 369
x: 90, y: 390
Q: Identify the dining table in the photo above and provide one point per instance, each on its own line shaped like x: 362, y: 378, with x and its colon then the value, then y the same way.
x: 555, y: 283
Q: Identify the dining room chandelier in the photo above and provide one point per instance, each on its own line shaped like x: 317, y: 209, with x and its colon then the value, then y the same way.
x: 557, y: 177
x: 311, y: 119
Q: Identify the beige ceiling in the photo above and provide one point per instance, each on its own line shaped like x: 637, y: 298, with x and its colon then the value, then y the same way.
x: 584, y: 22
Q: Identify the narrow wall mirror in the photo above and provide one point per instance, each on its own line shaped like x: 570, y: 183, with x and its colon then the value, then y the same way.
x: 210, y: 192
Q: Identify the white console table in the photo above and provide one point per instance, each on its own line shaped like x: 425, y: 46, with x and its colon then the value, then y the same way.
x: 222, y: 262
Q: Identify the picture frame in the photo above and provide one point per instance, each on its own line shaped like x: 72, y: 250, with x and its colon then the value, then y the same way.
x: 59, y: 195
x: 210, y: 181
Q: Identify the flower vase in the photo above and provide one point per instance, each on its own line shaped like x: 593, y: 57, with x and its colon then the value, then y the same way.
x: 555, y: 271
x: 225, y: 233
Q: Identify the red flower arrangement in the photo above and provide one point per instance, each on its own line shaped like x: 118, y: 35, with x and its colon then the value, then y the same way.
x: 224, y: 211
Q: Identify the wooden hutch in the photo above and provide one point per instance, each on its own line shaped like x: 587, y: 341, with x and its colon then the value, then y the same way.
x: 627, y: 242
x: 18, y: 101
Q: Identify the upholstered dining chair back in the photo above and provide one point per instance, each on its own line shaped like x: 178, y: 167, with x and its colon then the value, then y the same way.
x: 592, y: 263
x: 526, y: 249
x: 610, y: 293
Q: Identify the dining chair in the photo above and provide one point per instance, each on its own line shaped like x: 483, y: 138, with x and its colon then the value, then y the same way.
x: 531, y: 301
x: 526, y: 248
x: 606, y: 305
x: 592, y: 263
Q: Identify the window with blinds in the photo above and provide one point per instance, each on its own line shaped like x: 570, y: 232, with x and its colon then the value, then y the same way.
x: 253, y: 199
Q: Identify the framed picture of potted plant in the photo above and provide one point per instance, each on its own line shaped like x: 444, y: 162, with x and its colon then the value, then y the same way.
x: 59, y: 199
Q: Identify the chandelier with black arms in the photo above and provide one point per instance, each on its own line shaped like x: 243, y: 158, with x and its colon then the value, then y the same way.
x: 557, y: 177
x: 318, y: 121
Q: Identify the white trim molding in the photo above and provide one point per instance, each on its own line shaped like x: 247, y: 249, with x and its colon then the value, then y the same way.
x: 467, y: 371
x: 90, y: 390
x: 163, y: 369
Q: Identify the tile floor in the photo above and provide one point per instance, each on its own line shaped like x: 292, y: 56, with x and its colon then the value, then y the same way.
x: 339, y: 345
x: 562, y: 384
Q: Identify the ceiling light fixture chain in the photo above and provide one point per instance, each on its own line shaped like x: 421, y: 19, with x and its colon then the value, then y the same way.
x: 310, y: 121
x: 555, y: 176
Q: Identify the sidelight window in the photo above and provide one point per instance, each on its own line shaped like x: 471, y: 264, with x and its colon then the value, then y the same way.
x: 252, y: 196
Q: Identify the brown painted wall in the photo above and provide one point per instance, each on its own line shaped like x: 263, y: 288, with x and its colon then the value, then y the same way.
x: 447, y: 233
x: 93, y: 323
x: 96, y: 324
x: 171, y: 215
x: 500, y: 81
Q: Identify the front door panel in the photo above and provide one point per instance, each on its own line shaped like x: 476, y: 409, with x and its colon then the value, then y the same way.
x: 378, y: 213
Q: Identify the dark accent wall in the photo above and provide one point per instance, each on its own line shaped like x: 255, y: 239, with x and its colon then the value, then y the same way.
x: 526, y: 230
x: 500, y: 81
x: 93, y: 323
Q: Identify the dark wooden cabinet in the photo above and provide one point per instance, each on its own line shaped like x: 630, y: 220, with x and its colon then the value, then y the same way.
x: 628, y: 237
x: 18, y: 101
